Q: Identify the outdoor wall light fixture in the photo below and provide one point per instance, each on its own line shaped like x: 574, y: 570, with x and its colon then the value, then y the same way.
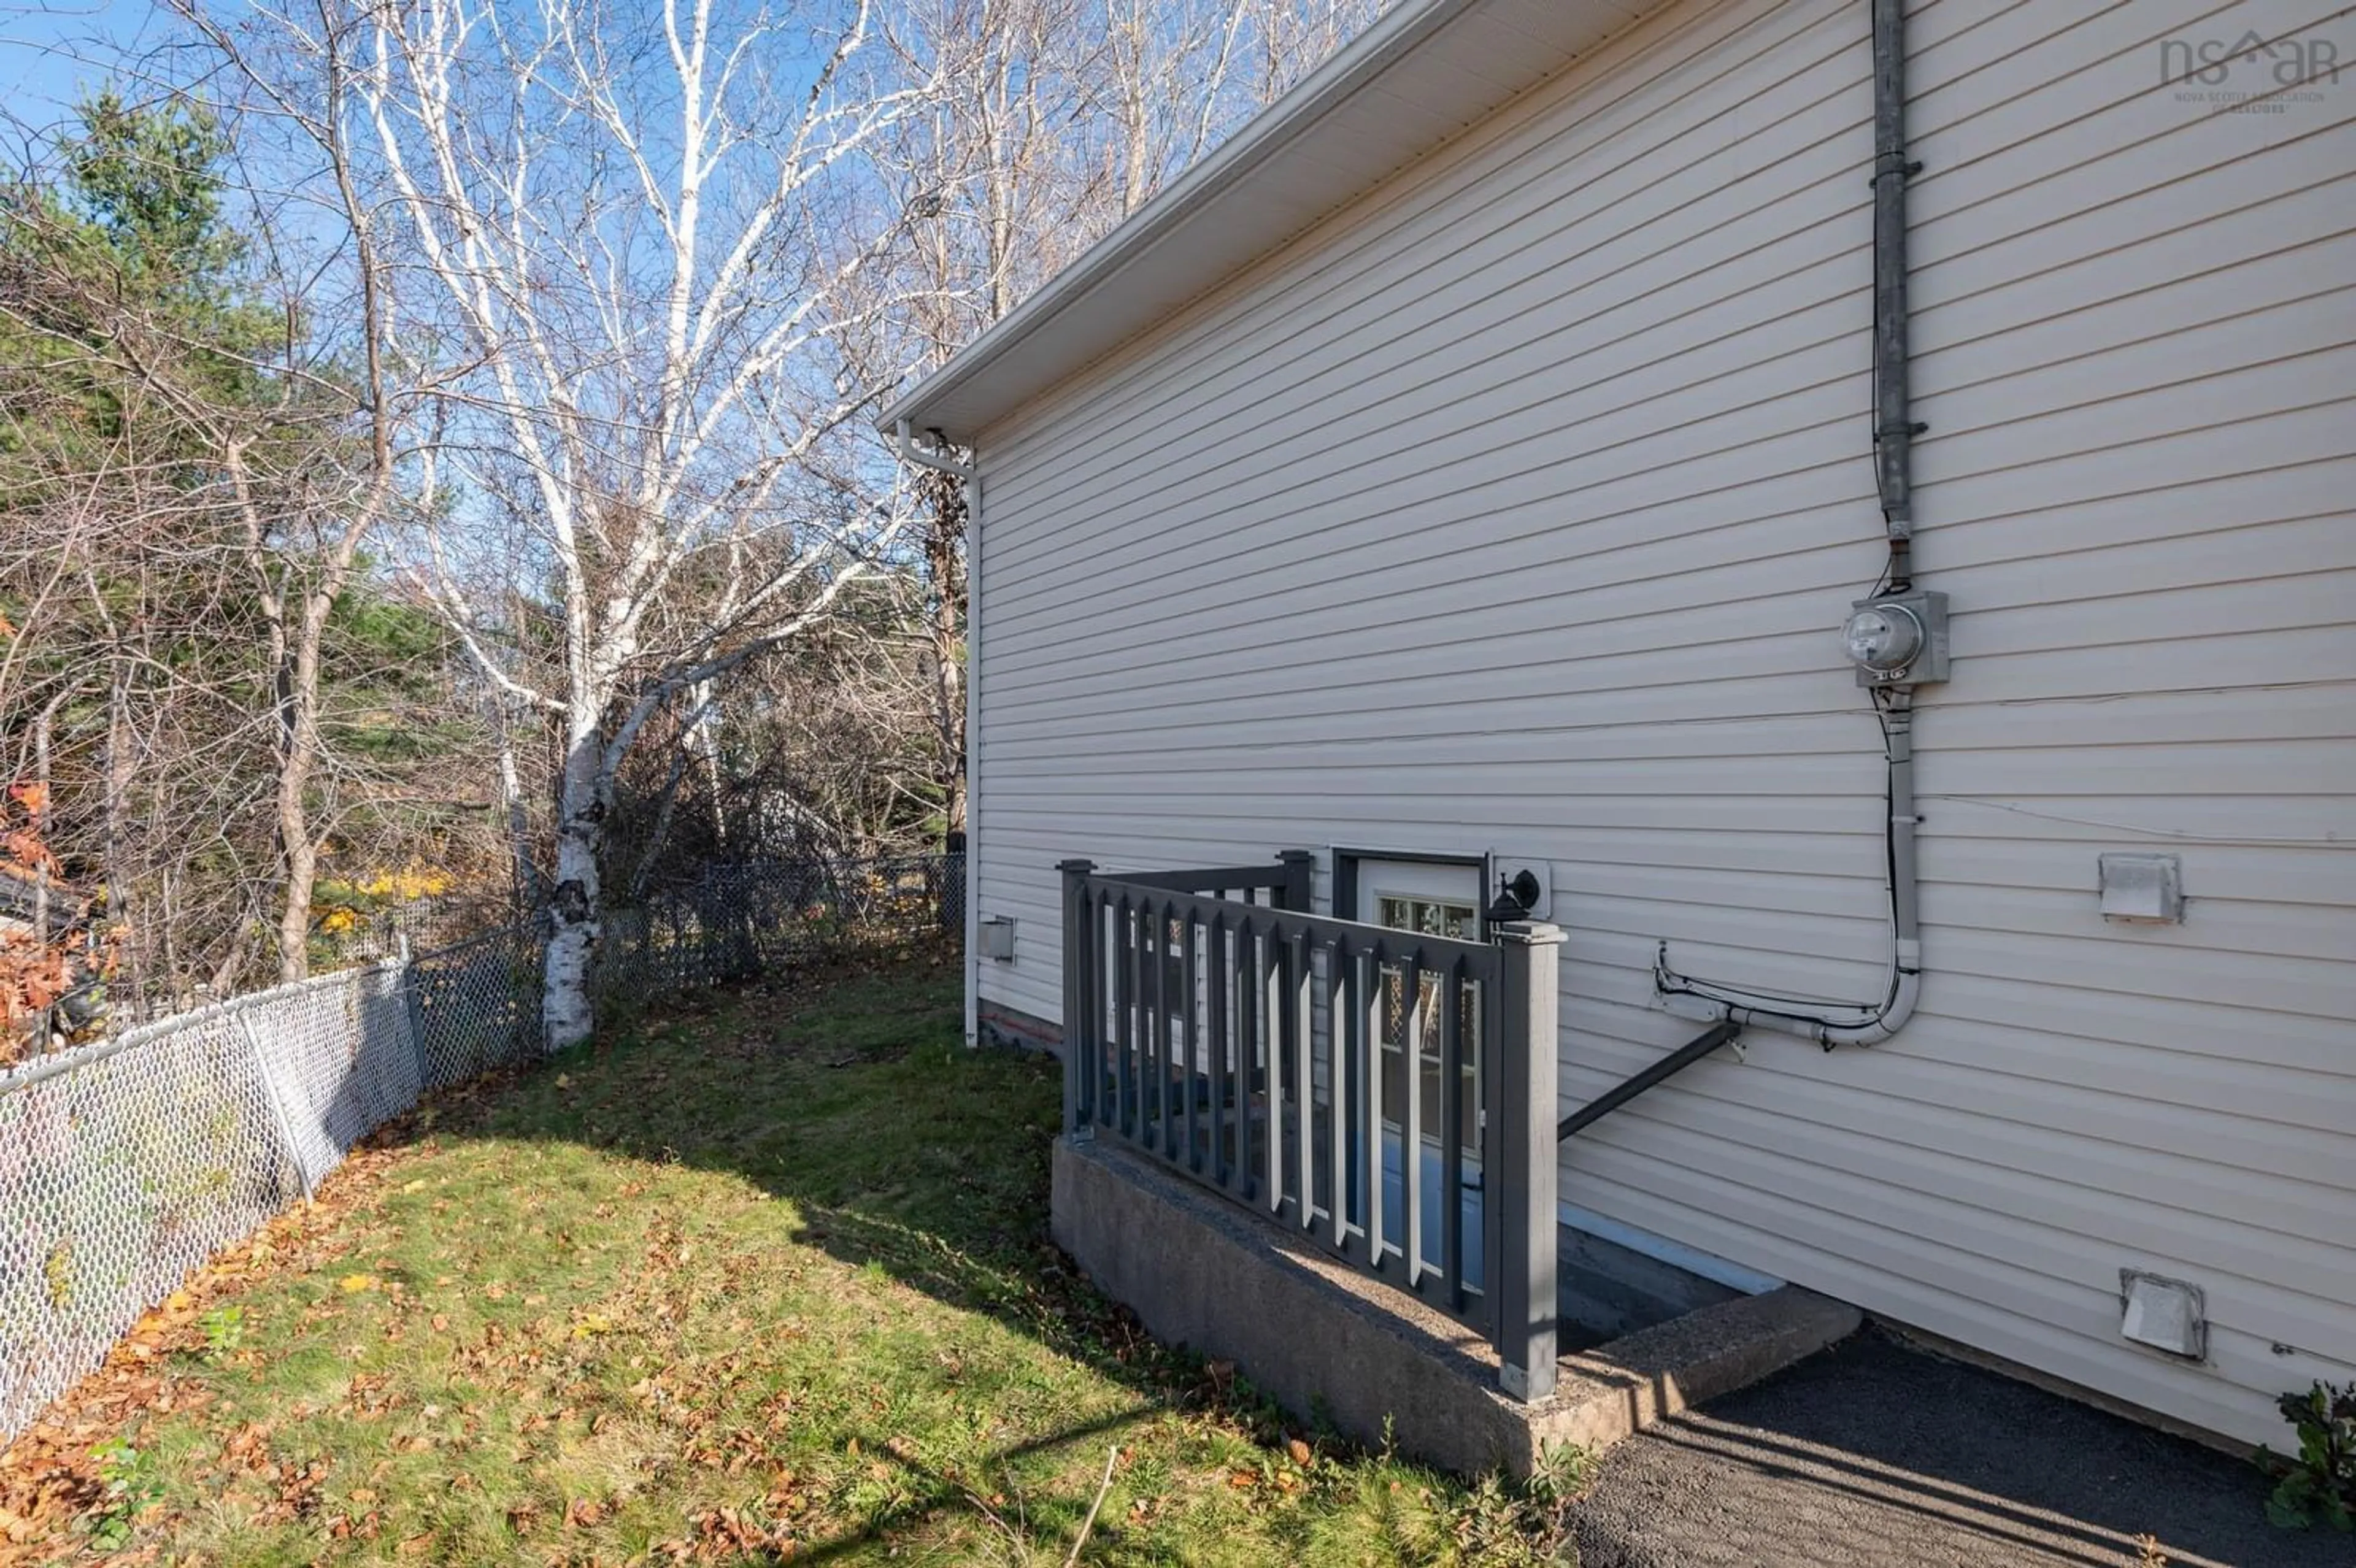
x: 1898, y: 639
x: 1515, y: 895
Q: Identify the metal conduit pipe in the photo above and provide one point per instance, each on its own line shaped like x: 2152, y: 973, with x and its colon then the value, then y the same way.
x: 1894, y: 429
x: 1831, y: 1024
x: 1722, y: 1032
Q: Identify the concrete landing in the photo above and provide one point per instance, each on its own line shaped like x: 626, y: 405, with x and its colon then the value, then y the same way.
x: 1352, y: 1353
x: 1874, y: 1454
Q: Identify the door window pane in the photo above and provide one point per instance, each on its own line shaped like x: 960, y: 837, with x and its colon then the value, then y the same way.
x: 1428, y: 917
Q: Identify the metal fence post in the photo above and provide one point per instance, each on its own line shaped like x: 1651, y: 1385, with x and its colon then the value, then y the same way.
x: 279, y: 1109
x: 948, y: 891
x: 1522, y: 1118
x: 1300, y: 880
x: 413, y: 1004
x: 1079, y: 955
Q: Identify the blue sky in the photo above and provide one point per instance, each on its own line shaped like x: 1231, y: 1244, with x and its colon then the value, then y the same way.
x: 49, y: 52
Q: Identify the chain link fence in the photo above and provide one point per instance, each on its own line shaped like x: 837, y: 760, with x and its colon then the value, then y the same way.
x: 740, y: 918
x: 126, y: 1163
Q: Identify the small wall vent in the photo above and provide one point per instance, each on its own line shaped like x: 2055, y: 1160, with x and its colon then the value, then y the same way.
x: 2165, y: 1313
x: 2142, y: 889
x: 997, y: 938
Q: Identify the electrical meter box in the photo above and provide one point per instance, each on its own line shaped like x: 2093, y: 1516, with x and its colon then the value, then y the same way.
x: 1898, y: 639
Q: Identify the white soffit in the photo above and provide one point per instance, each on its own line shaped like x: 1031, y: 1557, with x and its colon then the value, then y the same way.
x: 1421, y: 75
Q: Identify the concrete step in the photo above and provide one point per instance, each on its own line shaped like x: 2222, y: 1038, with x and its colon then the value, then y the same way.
x: 1605, y: 1290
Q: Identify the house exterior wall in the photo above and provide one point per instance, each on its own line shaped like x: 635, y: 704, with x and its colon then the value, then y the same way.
x: 1516, y: 509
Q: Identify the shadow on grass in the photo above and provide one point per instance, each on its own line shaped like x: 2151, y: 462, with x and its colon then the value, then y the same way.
x: 876, y: 1326
x: 849, y: 1096
x: 854, y: 1100
x: 941, y: 1491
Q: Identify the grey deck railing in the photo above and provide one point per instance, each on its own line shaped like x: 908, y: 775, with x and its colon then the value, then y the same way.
x: 1388, y: 1094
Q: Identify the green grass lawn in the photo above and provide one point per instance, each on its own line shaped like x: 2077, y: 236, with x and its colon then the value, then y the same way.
x: 765, y: 1278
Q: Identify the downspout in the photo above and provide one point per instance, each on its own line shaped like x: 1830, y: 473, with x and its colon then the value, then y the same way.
x: 936, y: 458
x: 1894, y: 430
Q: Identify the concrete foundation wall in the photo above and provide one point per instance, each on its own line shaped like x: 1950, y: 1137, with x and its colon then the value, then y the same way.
x: 1000, y: 1025
x: 1350, y: 1354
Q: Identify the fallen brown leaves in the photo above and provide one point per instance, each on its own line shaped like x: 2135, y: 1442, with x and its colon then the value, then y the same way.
x: 47, y: 1475
x: 730, y: 1534
x: 49, y: 1480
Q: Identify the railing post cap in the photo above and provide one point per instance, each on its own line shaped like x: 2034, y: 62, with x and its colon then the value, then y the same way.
x: 1076, y: 868
x: 1529, y: 932
x: 1289, y: 856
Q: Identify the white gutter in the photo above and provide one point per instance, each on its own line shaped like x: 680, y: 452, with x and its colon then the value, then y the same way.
x: 933, y: 458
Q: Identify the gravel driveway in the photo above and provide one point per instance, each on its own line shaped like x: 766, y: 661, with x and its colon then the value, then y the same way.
x: 1875, y: 1456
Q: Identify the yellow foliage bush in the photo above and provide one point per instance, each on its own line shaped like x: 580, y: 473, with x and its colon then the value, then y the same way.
x: 407, y: 883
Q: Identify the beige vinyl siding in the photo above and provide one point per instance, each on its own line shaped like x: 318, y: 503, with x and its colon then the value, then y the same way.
x: 1515, y: 508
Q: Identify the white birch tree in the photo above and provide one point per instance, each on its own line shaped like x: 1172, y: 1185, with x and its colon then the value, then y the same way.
x: 631, y: 233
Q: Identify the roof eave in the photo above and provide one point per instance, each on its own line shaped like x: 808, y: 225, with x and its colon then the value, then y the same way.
x: 1077, y: 317
x: 1310, y: 100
